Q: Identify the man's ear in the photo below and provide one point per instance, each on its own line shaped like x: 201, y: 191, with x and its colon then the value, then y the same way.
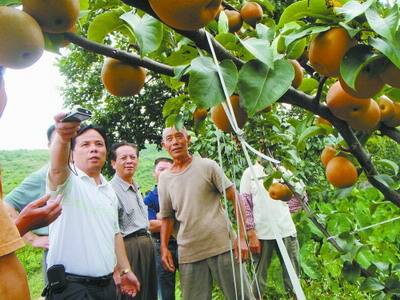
x: 113, y: 164
x: 189, y: 139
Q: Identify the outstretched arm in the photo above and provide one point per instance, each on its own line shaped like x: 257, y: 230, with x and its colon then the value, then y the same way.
x: 60, y: 151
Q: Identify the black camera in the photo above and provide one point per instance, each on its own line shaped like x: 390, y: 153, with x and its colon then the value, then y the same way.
x: 77, y: 115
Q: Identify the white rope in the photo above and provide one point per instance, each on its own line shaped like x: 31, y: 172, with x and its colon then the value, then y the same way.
x: 231, y: 117
x: 239, y: 210
x: 367, y: 227
x: 228, y: 223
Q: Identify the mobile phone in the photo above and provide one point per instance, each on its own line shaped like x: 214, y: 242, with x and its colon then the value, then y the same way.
x: 77, y: 115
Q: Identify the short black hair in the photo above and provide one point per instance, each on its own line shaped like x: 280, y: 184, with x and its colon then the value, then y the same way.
x: 50, y: 132
x: 115, y: 146
x: 160, y: 159
x: 85, y: 128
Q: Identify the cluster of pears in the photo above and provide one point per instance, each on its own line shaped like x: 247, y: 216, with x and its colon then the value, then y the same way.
x: 195, y: 14
x: 355, y: 106
x: 251, y: 13
x: 21, y: 31
x: 340, y: 172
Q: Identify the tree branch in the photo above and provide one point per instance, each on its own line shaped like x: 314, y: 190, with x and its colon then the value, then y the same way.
x: 390, y: 132
x: 300, y: 99
x: 321, y: 84
x: 129, y: 58
x: 197, y: 36
x: 292, y: 96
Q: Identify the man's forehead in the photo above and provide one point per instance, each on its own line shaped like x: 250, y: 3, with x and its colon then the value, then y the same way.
x: 172, y: 131
x: 126, y: 150
x: 164, y: 164
x: 90, y: 135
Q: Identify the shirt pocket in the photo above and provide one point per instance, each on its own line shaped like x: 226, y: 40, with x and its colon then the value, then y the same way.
x: 128, y: 207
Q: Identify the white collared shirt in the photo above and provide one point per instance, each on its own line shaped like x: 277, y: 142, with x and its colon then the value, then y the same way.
x: 268, y: 211
x: 83, y: 237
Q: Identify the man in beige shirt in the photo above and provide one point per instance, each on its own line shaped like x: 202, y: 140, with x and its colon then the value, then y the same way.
x: 190, y: 191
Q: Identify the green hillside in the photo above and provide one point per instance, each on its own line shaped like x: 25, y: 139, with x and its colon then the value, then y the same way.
x: 17, y: 164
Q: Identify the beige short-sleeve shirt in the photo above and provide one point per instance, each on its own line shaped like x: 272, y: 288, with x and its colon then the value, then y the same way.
x: 10, y: 240
x: 193, y: 197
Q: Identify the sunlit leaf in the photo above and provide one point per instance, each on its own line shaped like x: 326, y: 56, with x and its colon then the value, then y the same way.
x: 104, y: 24
x: 384, y: 26
x: 204, y: 84
x: 260, y: 86
x: 260, y: 49
x: 148, y: 31
x: 390, y: 50
x: 305, y: 8
x: 353, y: 9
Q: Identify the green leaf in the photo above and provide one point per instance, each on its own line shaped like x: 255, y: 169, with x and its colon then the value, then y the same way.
x: 52, y: 42
x: 304, y: 32
x: 390, y: 50
x: 270, y: 6
x: 310, y: 268
x: 228, y: 40
x: 305, y: 8
x: 354, y: 61
x: 104, y: 24
x: 353, y: 9
x: 343, y: 193
x: 351, y: 271
x: 223, y: 26
x: 260, y: 49
x: 350, y: 30
x: 385, y: 27
x: 306, y: 134
x: 309, y: 85
x: 173, y: 105
x: 384, y: 179
x: 393, y: 94
x: 260, y: 86
x: 10, y: 2
x: 264, y: 32
x: 84, y: 4
x: 148, y: 31
x: 182, y: 56
x: 371, y: 284
x: 204, y: 84
x: 390, y: 164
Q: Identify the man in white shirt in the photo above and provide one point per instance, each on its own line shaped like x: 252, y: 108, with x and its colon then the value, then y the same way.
x: 262, y: 240
x: 86, y: 238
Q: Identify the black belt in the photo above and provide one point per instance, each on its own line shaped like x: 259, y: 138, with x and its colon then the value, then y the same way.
x: 99, y: 281
x: 140, y: 232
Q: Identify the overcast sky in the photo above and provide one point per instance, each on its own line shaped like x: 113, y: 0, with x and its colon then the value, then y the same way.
x: 33, y: 99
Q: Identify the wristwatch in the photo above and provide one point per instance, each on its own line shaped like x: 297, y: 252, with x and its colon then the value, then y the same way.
x: 125, y: 271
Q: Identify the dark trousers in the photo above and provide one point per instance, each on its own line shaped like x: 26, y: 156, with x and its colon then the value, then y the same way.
x: 166, y: 279
x: 140, y: 252
x: 85, y: 291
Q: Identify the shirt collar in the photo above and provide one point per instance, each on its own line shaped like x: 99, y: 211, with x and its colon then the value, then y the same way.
x: 81, y: 174
x: 125, y: 186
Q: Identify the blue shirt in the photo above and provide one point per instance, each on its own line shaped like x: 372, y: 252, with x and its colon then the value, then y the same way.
x: 31, y: 189
x: 153, y: 206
